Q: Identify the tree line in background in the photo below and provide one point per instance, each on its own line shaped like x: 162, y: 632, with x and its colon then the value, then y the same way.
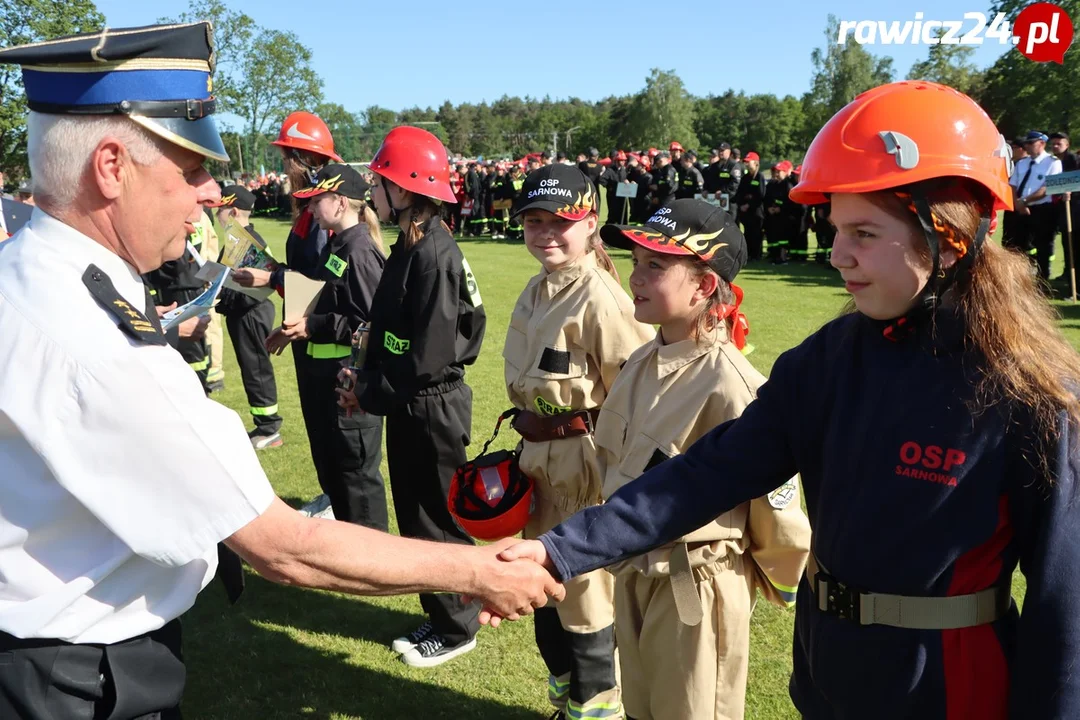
x: 263, y: 74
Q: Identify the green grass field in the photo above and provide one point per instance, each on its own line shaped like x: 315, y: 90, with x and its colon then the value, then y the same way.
x: 284, y: 653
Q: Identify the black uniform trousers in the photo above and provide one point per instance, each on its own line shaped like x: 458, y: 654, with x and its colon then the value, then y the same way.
x: 425, y: 445
x: 754, y: 232
x: 137, y: 679
x: 248, y: 329
x: 1042, y: 226
x: 346, y: 451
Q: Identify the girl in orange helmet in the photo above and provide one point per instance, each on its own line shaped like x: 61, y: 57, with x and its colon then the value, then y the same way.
x: 937, y: 443
x: 427, y: 324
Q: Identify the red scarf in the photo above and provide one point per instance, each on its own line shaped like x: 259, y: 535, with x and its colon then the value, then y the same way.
x: 740, y: 327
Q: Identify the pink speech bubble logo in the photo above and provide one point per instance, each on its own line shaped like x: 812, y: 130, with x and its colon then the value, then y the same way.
x: 1043, y: 32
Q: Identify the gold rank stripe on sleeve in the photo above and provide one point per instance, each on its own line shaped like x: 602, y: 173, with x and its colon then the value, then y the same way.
x: 132, y: 322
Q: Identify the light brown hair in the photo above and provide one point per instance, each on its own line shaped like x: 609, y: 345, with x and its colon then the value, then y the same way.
x: 708, y: 319
x: 1025, y: 360
x: 422, y: 209
x: 369, y: 218
x: 596, y: 245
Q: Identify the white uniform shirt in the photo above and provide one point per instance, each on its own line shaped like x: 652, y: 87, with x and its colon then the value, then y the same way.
x: 118, y: 477
x: 1045, y: 165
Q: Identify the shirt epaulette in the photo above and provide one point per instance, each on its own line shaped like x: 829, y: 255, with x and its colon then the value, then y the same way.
x: 132, y: 322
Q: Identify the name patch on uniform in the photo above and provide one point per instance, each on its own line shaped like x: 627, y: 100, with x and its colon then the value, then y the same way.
x: 132, y: 322
x: 395, y: 344
x: 336, y: 265
x: 754, y: 182
x: 782, y: 496
x: 545, y: 408
x: 555, y: 361
x: 470, y: 284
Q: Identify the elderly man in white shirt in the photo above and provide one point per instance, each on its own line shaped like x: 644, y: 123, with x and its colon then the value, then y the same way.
x: 118, y: 477
x: 1030, y: 199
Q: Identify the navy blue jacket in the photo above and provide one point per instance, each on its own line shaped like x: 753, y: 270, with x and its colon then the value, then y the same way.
x: 908, y: 493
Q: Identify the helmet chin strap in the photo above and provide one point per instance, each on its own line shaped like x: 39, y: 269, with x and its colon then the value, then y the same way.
x: 929, y: 299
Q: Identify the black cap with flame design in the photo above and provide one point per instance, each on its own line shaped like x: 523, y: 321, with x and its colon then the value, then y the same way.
x: 687, y: 227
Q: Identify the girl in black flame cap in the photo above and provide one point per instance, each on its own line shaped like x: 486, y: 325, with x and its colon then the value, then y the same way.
x: 571, y: 331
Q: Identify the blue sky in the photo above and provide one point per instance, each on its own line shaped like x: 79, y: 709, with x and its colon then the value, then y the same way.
x: 402, y: 54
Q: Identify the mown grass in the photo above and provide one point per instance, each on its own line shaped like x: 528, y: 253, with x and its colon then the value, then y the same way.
x: 284, y: 653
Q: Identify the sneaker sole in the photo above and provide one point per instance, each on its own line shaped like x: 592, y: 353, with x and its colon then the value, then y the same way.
x: 413, y: 659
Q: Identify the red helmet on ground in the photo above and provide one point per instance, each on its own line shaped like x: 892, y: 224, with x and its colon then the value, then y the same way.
x: 415, y: 160
x: 305, y: 131
x: 903, y: 133
x: 675, y: 146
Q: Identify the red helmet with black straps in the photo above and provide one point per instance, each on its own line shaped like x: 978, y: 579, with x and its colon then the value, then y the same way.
x: 490, y: 497
x: 416, y: 161
x: 305, y: 131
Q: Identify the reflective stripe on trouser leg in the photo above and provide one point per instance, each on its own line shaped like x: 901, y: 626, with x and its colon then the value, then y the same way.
x: 559, y: 690
x: 593, y: 690
x: 200, y: 365
x: 272, y: 410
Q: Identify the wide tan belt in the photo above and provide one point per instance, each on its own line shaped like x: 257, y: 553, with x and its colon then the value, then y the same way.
x: 902, y: 611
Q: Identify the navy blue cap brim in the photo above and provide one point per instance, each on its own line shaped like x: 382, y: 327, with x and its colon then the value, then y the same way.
x: 200, y: 136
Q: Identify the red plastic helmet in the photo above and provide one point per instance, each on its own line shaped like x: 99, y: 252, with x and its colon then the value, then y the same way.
x: 415, y: 160
x: 621, y: 155
x: 305, y: 131
x: 675, y: 146
x: 490, y: 497
x: 653, y: 152
x: 903, y: 133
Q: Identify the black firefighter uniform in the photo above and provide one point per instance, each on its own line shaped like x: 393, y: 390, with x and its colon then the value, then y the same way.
x: 570, y: 332
x: 682, y: 611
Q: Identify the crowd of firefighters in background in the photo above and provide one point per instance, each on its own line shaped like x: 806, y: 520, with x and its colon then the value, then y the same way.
x: 486, y: 191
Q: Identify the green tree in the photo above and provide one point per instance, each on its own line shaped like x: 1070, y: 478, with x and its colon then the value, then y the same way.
x: 1021, y: 95
x: 773, y: 128
x: 840, y: 73
x: 234, y: 32
x: 664, y: 111
x: 721, y: 118
x: 27, y: 21
x: 950, y: 65
x: 275, y: 78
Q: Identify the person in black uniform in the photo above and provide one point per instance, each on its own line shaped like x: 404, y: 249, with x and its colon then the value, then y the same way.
x: 639, y: 206
x: 502, y: 193
x: 593, y: 169
x: 691, y: 182
x: 614, y: 175
x: 728, y: 176
x: 802, y: 216
x: 475, y: 193
x: 825, y: 232
x: 516, y: 181
x: 781, y: 215
x: 249, y: 322
x: 664, y: 181
x: 346, y: 450
x: 428, y: 324
x: 172, y: 285
x: 749, y: 202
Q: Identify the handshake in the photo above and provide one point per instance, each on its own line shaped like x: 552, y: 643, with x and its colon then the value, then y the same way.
x: 512, y: 578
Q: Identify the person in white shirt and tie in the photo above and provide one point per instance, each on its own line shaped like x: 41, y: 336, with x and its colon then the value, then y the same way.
x: 1029, y: 186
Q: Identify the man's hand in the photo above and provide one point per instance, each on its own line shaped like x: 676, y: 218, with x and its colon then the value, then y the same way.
x: 280, y: 338
x: 194, y: 328
x: 509, y: 587
x: 162, y: 309
x: 251, y: 277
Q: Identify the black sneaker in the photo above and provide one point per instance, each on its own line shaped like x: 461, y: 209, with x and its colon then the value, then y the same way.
x: 407, y: 642
x: 433, y: 651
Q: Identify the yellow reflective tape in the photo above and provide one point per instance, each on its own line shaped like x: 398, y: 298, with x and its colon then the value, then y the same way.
x: 395, y: 344
x: 336, y: 265
x: 546, y: 408
x: 748, y: 348
x: 470, y: 283
x: 270, y: 410
x: 322, y: 351
x: 201, y: 365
